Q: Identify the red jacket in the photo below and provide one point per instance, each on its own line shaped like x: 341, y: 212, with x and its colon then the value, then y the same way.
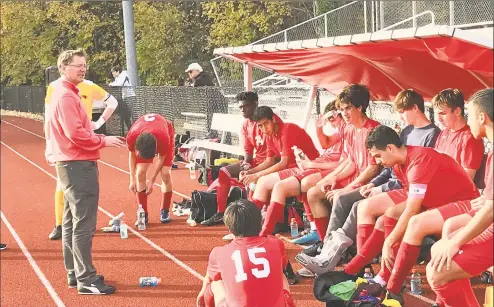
x: 68, y: 132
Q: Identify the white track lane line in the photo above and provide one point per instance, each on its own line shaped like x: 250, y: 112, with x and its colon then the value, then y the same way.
x: 151, y: 243
x: 33, y: 263
x: 102, y: 162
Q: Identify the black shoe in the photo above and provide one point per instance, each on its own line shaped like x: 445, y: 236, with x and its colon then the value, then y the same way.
x: 216, y: 219
x: 313, y: 250
x: 56, y: 233
x: 73, y: 282
x: 96, y: 288
x: 3, y: 246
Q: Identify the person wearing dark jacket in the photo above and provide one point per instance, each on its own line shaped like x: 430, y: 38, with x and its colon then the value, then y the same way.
x: 198, y: 76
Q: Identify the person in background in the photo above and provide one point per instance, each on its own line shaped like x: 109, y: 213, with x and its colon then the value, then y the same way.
x: 73, y: 146
x: 198, y: 76
x: 128, y: 94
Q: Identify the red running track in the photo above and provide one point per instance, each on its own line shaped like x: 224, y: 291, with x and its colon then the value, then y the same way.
x: 175, y: 252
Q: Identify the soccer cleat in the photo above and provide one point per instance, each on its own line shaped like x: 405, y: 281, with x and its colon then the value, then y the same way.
x: 3, y: 246
x: 309, y: 238
x: 96, y: 288
x: 146, y: 219
x: 229, y: 237
x: 73, y: 282
x: 216, y: 219
x: 174, y: 166
x: 164, y: 216
x: 313, y: 250
x: 305, y: 273
x: 56, y: 233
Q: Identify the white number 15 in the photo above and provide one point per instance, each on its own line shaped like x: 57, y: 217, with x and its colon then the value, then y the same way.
x: 237, y: 259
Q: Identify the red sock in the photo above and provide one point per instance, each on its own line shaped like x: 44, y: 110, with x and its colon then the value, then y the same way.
x: 142, y: 199
x: 272, y: 216
x: 308, y: 211
x: 364, y: 231
x: 322, y: 225
x: 223, y: 189
x: 457, y: 293
x: 404, y: 261
x: 208, y: 296
x: 371, y: 248
x: 166, y: 200
x: 389, y: 225
x: 259, y: 203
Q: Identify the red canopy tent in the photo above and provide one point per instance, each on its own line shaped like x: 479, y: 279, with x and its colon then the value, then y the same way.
x: 427, y: 59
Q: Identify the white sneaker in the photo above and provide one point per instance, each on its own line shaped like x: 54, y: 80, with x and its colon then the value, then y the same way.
x: 229, y: 237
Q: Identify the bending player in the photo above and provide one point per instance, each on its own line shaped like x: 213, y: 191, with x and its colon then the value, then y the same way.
x: 239, y: 271
x: 253, y: 139
x: 151, y: 135
x: 89, y: 92
x: 469, y: 251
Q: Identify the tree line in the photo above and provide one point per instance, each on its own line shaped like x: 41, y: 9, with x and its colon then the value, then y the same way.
x: 169, y: 36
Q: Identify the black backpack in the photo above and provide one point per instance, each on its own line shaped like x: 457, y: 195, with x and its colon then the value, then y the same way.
x: 203, y: 205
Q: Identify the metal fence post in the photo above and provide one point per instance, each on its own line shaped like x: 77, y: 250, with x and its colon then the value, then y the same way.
x: 451, y: 13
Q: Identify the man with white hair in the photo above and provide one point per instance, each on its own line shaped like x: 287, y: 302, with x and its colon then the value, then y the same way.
x: 198, y: 76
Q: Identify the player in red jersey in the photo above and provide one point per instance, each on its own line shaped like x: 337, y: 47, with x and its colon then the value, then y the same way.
x: 423, y: 172
x: 468, y: 251
x: 456, y: 140
x: 247, y: 272
x: 149, y: 136
x: 313, y: 170
x: 280, y: 138
x: 359, y: 167
x: 253, y: 142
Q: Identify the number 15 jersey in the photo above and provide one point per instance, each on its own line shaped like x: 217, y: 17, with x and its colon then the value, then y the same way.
x: 251, y: 269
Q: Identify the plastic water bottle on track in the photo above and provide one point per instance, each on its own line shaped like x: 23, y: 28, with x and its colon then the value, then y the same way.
x: 149, y: 281
x: 367, y: 274
x: 192, y: 170
x: 293, y: 228
x: 123, y: 231
x: 114, y: 220
x: 141, y: 218
x: 415, y: 283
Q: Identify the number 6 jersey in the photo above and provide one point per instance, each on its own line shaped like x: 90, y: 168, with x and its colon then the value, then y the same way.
x: 251, y: 269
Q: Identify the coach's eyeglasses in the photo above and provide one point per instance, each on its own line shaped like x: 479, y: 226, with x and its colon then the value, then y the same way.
x: 80, y: 66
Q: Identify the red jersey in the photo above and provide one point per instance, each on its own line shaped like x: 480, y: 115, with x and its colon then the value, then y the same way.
x: 488, y: 194
x: 289, y: 135
x: 354, y: 145
x: 251, y: 269
x: 161, y: 128
x: 333, y: 153
x: 434, y: 177
x: 461, y: 146
x: 254, y: 139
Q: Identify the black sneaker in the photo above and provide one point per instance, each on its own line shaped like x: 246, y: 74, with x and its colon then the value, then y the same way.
x: 313, y: 250
x: 56, y: 233
x: 73, y: 282
x: 96, y: 288
x: 3, y: 246
x: 216, y: 219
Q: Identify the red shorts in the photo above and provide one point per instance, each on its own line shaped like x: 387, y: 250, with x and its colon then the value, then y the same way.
x: 168, y: 156
x: 306, y: 173
x: 289, y: 172
x: 476, y: 256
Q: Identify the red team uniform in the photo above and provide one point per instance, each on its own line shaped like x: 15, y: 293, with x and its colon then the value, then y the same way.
x: 461, y: 146
x: 251, y: 269
x: 281, y: 144
x: 161, y: 128
x: 254, y: 140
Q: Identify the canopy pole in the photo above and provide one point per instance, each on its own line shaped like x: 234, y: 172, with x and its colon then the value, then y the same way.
x: 248, y: 77
x: 309, y: 106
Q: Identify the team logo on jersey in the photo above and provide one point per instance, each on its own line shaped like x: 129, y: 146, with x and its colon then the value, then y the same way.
x: 259, y: 140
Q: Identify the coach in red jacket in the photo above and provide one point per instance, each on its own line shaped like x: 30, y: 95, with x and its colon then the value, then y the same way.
x: 73, y: 146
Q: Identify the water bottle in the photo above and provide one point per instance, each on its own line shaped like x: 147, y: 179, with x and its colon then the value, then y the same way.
x: 299, y: 156
x: 114, y: 228
x: 141, y: 218
x: 306, y: 221
x: 149, y: 281
x: 415, y: 283
x: 123, y: 231
x: 192, y: 170
x: 294, y: 228
x: 114, y: 220
x: 367, y: 274
x: 263, y: 214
